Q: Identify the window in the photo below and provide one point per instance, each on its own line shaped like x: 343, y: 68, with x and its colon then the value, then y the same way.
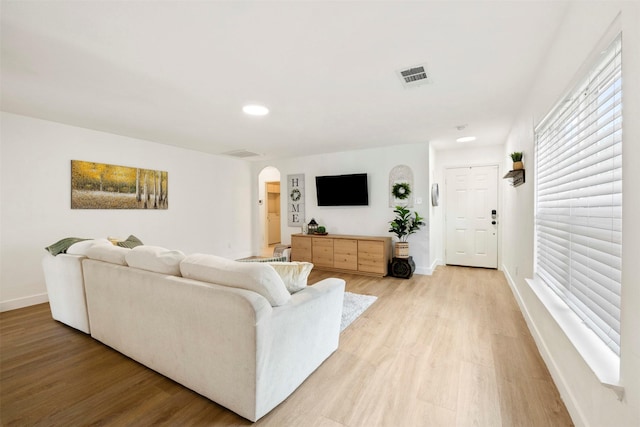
x: 579, y: 198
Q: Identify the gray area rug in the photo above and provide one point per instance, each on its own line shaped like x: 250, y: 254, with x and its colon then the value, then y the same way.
x: 354, y: 305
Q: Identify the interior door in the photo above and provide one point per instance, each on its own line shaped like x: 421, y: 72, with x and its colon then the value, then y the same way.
x: 273, y: 212
x: 471, y: 216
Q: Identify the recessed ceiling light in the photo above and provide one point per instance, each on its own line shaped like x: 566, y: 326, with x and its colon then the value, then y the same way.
x: 466, y: 139
x: 255, y: 110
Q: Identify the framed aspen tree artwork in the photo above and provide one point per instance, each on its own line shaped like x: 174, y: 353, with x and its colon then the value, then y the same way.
x: 103, y: 186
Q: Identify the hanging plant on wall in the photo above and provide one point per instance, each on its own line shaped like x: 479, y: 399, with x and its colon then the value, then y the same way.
x: 401, y: 190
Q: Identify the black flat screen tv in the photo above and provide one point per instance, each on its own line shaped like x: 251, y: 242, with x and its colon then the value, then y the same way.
x: 342, y: 190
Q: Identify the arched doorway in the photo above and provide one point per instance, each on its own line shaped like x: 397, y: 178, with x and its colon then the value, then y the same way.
x: 270, y: 209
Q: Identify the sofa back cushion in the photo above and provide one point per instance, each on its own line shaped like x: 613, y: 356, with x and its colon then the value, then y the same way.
x: 108, y: 253
x: 256, y: 277
x: 81, y: 248
x: 155, y: 258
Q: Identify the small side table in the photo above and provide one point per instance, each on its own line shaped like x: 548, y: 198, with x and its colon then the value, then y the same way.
x: 402, y: 267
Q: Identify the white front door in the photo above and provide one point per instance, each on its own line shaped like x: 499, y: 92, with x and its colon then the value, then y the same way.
x: 471, y: 216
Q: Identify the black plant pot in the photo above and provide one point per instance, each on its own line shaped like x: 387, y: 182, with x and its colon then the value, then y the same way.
x: 402, y: 267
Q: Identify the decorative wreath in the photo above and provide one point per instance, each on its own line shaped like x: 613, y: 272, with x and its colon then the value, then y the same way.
x: 295, y: 195
x: 401, y: 190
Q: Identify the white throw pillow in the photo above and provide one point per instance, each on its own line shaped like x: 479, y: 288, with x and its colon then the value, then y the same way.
x: 81, y: 248
x: 156, y: 259
x: 257, y: 277
x: 294, y: 274
x: 108, y: 253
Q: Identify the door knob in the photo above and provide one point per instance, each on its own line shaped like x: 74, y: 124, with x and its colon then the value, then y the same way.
x: 493, y: 222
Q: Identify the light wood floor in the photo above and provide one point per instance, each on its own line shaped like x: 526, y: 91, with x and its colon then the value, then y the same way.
x: 450, y: 349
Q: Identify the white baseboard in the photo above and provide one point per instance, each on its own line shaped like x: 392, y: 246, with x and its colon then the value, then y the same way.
x: 428, y: 271
x: 558, y: 378
x: 424, y: 271
x: 23, y: 302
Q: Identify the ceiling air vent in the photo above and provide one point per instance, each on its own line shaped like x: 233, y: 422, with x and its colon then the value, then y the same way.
x: 414, y: 76
x: 241, y: 153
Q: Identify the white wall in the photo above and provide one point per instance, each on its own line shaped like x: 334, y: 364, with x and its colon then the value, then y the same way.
x: 209, y: 199
x: 445, y: 159
x: 360, y: 220
x: 589, y: 402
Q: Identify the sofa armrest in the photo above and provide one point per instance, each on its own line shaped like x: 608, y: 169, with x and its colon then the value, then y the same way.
x: 65, y: 289
x: 299, y: 337
x: 324, y: 286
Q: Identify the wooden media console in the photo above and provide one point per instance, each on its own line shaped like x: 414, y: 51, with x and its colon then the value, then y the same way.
x: 369, y: 255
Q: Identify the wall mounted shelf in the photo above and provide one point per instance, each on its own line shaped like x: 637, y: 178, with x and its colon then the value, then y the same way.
x: 517, y: 177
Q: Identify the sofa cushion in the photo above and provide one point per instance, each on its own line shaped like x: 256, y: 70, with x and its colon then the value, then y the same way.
x: 155, y: 258
x: 294, y: 274
x: 257, y: 277
x: 108, y: 253
x: 81, y: 248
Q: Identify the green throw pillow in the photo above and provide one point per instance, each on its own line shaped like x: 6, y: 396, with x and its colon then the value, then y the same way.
x: 61, y: 246
x: 131, y: 242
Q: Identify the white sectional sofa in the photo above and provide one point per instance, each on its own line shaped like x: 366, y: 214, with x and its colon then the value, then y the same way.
x: 228, y: 330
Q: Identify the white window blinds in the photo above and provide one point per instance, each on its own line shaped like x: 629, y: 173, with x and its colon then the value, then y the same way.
x: 579, y: 198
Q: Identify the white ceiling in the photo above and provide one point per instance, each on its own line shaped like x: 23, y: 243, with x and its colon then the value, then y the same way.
x: 179, y: 72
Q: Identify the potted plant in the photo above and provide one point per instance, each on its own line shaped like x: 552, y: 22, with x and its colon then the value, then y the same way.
x: 516, y: 156
x: 404, y: 225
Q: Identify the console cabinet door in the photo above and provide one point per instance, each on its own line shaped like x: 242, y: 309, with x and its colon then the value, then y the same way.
x: 345, y: 254
x: 301, y: 248
x: 322, y: 250
x: 371, y: 257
